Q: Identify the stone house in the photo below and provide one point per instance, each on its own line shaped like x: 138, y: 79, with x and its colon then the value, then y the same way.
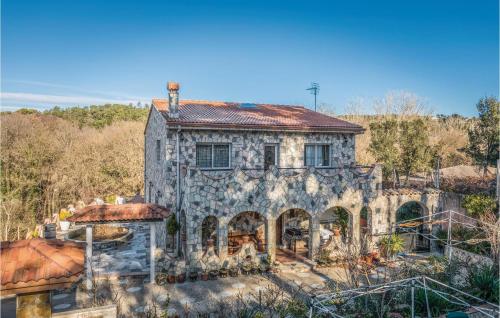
x: 281, y: 177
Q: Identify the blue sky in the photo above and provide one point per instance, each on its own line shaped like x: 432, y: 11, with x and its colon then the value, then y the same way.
x: 82, y: 52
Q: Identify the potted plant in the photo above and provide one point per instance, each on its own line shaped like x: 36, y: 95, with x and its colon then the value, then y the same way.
x: 255, y: 268
x: 63, y: 215
x: 181, y: 278
x: 193, y: 274
x: 172, y: 227
x: 246, y: 268
x: 223, y: 272
x: 213, y: 274
x: 161, y: 279
x: 171, y: 278
x: 204, y: 275
x: 234, y: 271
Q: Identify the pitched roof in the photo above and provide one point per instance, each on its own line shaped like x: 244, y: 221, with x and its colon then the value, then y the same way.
x: 39, y: 265
x: 120, y: 212
x: 206, y: 114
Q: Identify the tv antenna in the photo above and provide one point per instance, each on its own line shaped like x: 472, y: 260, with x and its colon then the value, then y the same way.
x: 315, y: 91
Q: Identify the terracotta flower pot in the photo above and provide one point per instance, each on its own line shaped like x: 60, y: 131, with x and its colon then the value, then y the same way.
x: 336, y: 231
x: 171, y: 278
x: 204, y: 276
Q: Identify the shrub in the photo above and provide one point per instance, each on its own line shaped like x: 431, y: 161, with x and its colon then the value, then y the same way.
x: 391, y: 245
x: 479, y: 204
x: 172, y: 226
x: 484, y: 282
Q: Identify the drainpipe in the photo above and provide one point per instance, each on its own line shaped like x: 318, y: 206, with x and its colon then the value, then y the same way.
x: 178, y: 186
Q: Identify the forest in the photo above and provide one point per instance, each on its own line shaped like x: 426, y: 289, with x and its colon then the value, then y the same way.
x: 63, y: 155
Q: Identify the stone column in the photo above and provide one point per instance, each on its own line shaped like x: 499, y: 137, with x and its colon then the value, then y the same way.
x: 354, y: 218
x: 152, y: 250
x: 314, y: 236
x: 222, y: 240
x: 271, y: 237
x: 88, y: 254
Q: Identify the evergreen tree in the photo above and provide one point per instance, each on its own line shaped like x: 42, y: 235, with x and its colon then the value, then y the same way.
x: 484, y: 135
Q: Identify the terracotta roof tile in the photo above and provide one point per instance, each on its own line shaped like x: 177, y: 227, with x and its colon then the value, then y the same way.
x: 206, y: 114
x: 40, y: 264
x: 120, y: 212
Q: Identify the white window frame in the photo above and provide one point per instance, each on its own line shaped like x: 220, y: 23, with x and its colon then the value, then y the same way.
x: 316, y: 155
x: 212, y: 154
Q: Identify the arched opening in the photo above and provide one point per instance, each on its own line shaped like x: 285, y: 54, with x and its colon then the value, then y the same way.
x: 209, y: 229
x: 246, y: 227
x: 335, y: 221
x: 414, y: 232
x: 292, y: 234
x: 365, y: 228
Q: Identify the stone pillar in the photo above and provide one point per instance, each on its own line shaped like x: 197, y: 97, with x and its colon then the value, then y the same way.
x: 34, y: 305
x: 222, y: 240
x: 354, y: 218
x: 314, y: 236
x: 88, y: 254
x: 271, y: 237
x: 152, y: 251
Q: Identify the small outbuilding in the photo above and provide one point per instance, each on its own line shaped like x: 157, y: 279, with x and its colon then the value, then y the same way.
x: 30, y: 269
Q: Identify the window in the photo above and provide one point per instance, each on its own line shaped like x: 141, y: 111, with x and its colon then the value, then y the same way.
x: 317, y: 155
x: 213, y: 156
x: 158, y: 150
x: 157, y: 197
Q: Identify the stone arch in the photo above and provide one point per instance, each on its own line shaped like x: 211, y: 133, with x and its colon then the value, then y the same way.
x: 337, y: 217
x: 246, y: 226
x: 415, y: 237
x: 209, y: 231
x: 294, y: 231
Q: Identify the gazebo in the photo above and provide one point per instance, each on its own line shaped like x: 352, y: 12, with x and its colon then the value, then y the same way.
x: 30, y: 269
x: 153, y: 214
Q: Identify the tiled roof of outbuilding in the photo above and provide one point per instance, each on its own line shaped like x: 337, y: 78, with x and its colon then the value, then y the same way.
x: 120, y: 212
x: 206, y: 114
x: 39, y: 265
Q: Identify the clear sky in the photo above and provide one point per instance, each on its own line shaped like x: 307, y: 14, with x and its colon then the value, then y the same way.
x: 90, y: 51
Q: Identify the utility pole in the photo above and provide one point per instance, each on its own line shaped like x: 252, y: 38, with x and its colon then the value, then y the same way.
x: 315, y: 91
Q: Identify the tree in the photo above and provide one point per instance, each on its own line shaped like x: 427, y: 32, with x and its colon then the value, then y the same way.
x: 383, y: 145
x: 484, y: 135
x: 415, y: 151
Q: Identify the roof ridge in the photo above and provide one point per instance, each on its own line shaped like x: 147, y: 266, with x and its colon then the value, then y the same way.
x: 52, y: 259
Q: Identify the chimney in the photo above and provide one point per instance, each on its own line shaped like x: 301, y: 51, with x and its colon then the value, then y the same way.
x: 173, y: 99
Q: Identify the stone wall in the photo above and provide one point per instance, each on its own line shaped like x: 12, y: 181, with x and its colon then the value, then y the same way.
x: 226, y: 194
x: 247, y: 151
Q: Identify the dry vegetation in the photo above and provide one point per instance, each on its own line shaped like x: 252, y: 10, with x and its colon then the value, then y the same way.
x: 448, y: 134
x: 48, y: 163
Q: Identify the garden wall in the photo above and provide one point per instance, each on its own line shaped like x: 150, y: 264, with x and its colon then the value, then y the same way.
x: 468, y: 257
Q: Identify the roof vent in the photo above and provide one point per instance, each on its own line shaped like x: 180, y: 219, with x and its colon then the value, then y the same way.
x: 248, y: 105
